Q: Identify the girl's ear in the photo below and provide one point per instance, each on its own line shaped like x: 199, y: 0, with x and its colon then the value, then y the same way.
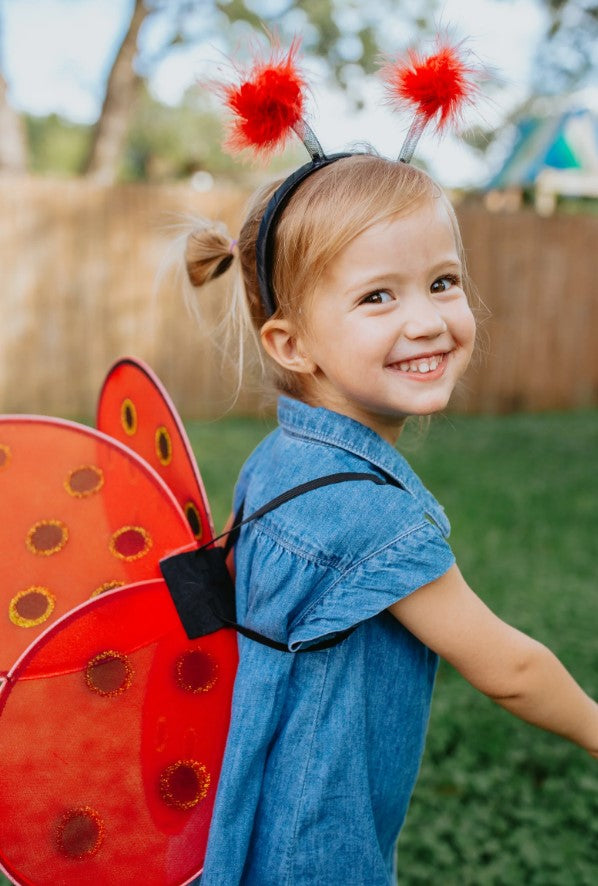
x: 281, y: 342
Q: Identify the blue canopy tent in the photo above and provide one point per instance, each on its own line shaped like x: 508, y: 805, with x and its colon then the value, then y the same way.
x: 551, y: 157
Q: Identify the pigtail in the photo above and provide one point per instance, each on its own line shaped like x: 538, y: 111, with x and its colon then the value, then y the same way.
x: 209, y: 253
x: 202, y: 251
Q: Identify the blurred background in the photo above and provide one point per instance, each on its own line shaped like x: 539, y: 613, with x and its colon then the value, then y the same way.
x: 108, y: 142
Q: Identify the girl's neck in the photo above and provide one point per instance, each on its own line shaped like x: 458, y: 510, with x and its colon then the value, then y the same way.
x: 389, y: 427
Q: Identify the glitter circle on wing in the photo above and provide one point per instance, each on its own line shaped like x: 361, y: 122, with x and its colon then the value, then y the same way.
x: 128, y: 416
x: 130, y: 543
x: 184, y: 784
x: 84, y: 481
x: 163, y: 446
x: 5, y: 455
x: 109, y: 673
x: 193, y: 519
x: 31, y: 607
x: 47, y: 537
x: 107, y: 586
x: 196, y: 671
x: 80, y: 833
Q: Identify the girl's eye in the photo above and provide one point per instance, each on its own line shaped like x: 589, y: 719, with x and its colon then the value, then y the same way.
x: 377, y: 297
x: 443, y: 284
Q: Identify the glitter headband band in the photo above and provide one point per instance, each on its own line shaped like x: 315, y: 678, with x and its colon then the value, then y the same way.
x: 264, y: 246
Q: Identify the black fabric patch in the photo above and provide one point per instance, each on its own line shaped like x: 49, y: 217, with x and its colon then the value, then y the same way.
x: 201, y: 589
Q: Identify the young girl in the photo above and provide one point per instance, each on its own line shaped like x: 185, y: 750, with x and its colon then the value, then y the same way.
x: 355, y: 284
x: 372, y: 325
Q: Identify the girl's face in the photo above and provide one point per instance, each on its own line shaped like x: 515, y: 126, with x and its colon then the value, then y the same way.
x: 389, y: 330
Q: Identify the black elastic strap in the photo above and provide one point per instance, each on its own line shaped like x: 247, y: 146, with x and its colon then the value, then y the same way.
x: 202, y: 589
x: 234, y: 531
x: 328, y: 480
x: 274, y: 644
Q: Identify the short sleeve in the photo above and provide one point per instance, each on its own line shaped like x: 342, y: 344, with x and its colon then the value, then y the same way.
x: 413, y: 559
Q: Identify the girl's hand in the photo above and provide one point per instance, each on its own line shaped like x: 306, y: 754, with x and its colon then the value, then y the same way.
x: 517, y: 672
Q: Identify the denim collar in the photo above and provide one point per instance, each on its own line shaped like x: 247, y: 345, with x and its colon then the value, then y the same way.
x: 322, y: 425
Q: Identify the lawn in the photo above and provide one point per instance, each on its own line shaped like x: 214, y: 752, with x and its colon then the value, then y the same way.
x: 498, y: 803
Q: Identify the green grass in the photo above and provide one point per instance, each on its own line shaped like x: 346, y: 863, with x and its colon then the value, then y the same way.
x: 498, y: 802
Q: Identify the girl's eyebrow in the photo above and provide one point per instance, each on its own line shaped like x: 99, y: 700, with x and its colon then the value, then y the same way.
x: 449, y: 262
x: 367, y: 284
x: 358, y: 285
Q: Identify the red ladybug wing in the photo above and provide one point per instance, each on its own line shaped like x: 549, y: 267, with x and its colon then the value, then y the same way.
x: 135, y: 408
x: 116, y: 781
x: 81, y: 514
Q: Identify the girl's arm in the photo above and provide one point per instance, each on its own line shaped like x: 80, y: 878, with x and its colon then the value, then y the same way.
x: 517, y: 672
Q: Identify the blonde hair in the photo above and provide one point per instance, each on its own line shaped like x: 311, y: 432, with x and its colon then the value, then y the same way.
x: 328, y: 209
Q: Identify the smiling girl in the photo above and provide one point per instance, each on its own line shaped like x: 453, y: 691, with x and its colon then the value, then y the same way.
x: 353, y: 280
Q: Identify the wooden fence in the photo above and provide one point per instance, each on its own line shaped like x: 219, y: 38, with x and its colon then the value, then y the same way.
x: 78, y: 266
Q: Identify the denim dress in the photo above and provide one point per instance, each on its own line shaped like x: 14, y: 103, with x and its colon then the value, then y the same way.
x: 325, y: 746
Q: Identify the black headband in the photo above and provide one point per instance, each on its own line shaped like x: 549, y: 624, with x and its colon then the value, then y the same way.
x: 264, y: 247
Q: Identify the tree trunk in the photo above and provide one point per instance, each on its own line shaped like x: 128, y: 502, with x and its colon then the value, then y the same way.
x: 13, y: 144
x: 110, y: 131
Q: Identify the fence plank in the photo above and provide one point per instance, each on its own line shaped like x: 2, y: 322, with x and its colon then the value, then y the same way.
x: 78, y: 268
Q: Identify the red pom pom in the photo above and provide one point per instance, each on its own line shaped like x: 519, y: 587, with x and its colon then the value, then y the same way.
x: 439, y: 85
x: 268, y: 104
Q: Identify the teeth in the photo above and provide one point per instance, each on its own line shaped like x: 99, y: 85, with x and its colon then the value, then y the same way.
x: 429, y: 364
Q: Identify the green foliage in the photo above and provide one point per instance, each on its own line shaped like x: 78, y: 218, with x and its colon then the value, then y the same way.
x: 343, y: 34
x: 172, y: 142
x: 565, y: 56
x: 55, y: 145
x: 166, y: 143
x: 346, y: 36
x: 221, y: 448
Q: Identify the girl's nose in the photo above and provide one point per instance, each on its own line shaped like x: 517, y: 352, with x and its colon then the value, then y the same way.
x: 424, y: 320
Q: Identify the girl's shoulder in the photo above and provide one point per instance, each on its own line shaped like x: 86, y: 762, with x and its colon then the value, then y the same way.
x: 333, y: 557
x: 334, y: 521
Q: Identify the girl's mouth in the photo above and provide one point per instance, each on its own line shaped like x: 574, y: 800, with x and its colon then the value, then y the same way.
x: 428, y: 368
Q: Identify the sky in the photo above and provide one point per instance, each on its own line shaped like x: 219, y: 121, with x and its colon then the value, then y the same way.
x: 56, y: 55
